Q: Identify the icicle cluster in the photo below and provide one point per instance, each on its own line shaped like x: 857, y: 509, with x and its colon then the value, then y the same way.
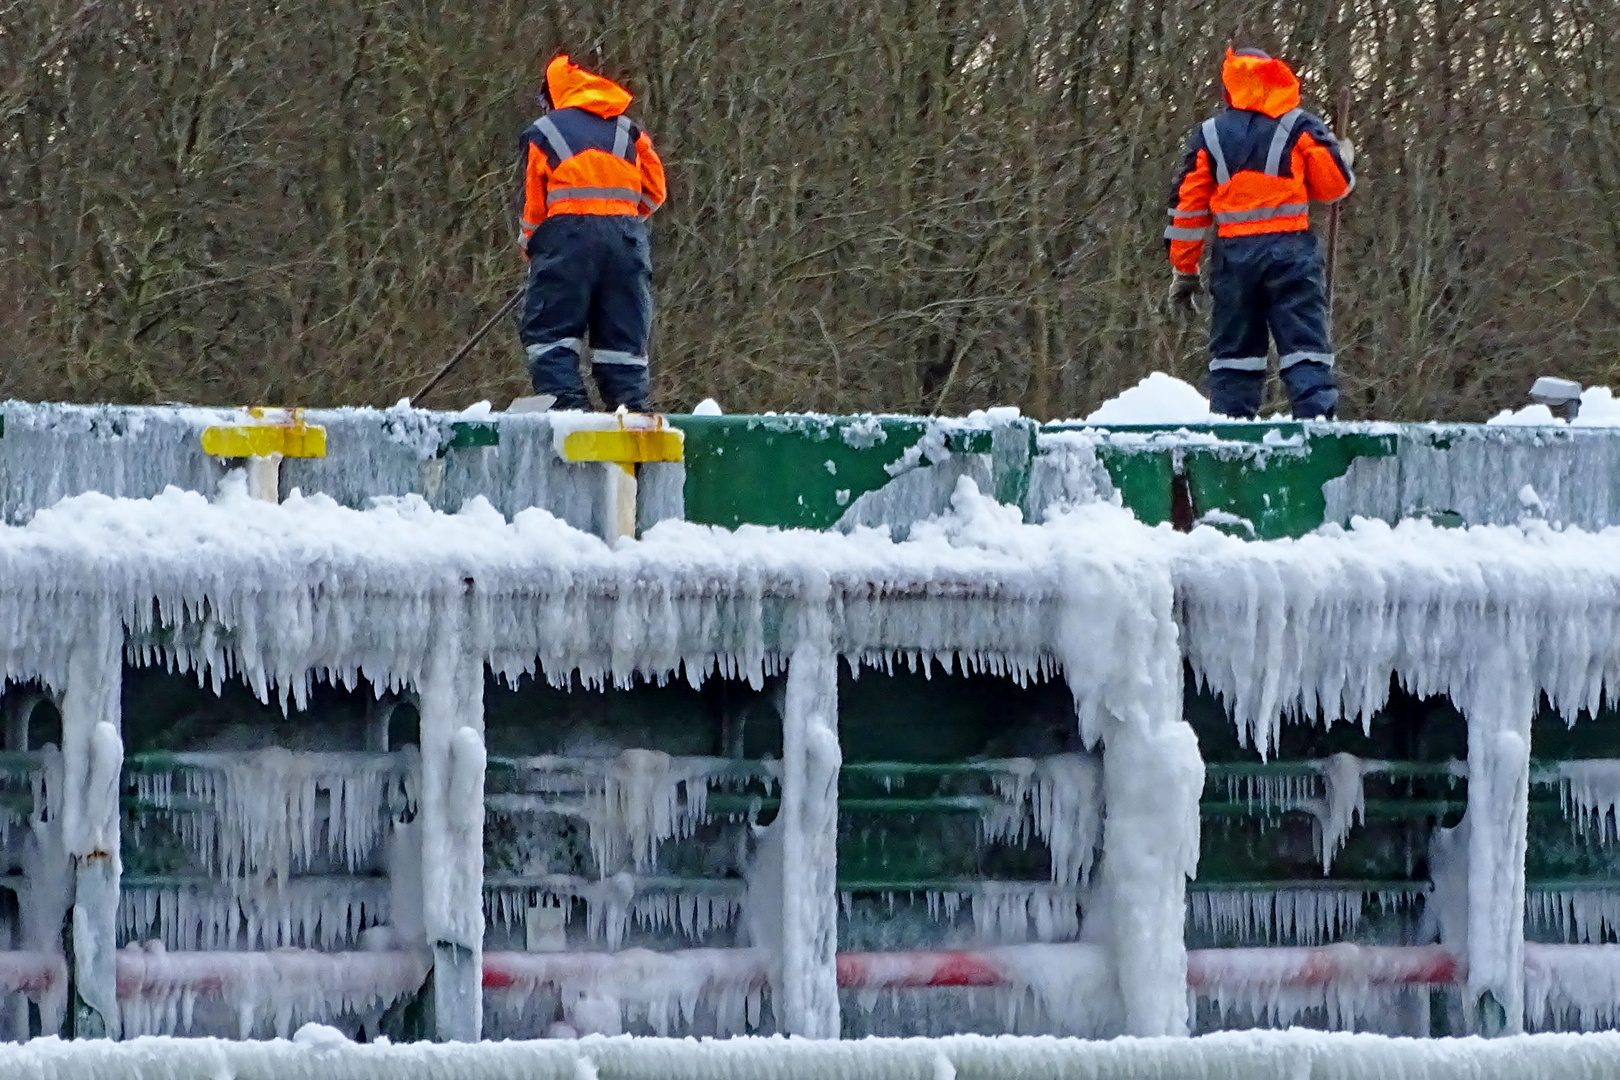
x: 1572, y: 987
x: 327, y: 913
x: 1057, y: 799
x: 1574, y: 915
x: 260, y: 814
x: 1288, y: 916
x: 1590, y: 794
x: 616, y: 904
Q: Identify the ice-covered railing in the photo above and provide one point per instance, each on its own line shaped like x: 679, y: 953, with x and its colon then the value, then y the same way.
x: 259, y: 994
x: 51, y: 452
x: 1282, y: 1055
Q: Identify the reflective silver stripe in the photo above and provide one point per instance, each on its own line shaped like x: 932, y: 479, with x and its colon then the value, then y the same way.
x: 646, y: 200
x: 1238, y: 363
x: 531, y: 225
x: 1188, y: 213
x: 621, y: 138
x: 1279, y: 142
x: 1175, y: 232
x: 548, y: 130
x: 1325, y: 358
x: 614, y: 356
x: 1261, y: 213
x: 626, y: 194
x: 1212, y: 142
x: 572, y: 344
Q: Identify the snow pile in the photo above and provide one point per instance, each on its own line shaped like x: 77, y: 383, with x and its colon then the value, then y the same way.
x: 1598, y: 409
x: 1157, y: 399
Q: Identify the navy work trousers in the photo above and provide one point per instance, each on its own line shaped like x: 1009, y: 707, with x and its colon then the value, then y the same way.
x: 1271, y: 285
x: 590, y: 276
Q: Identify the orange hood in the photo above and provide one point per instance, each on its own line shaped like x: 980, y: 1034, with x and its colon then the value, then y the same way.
x: 572, y: 87
x: 1264, y: 85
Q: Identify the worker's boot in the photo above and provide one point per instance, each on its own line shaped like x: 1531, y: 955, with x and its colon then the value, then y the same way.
x: 1311, y: 390
x: 554, y: 370
x: 1236, y: 393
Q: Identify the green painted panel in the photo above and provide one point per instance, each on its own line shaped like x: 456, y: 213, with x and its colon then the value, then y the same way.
x: 791, y: 471
x: 1279, y: 492
x: 1143, y: 479
x: 467, y: 435
x: 1268, y: 475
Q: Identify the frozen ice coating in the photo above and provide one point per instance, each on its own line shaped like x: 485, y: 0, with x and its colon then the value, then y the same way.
x: 806, y: 984
x: 1260, y: 1055
x: 1478, y: 472
x: 405, y: 597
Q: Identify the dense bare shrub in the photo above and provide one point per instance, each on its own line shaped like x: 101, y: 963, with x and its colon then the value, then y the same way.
x: 875, y: 204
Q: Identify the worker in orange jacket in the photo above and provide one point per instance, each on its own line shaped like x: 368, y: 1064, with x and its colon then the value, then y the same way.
x: 1252, y: 172
x: 590, y: 181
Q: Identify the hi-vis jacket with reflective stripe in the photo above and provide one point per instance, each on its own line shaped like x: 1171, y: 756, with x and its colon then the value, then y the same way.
x: 586, y: 156
x: 1256, y: 167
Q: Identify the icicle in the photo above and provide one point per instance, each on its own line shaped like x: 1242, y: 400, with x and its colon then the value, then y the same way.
x: 1590, y: 794
x: 1346, y: 803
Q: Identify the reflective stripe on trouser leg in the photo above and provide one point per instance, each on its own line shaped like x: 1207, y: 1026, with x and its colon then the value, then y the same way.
x: 1237, y: 363
x: 613, y: 356
x: 1323, y: 358
x: 535, y: 352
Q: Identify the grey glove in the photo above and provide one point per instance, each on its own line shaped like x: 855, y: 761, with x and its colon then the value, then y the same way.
x: 1185, y: 289
x: 1347, y: 151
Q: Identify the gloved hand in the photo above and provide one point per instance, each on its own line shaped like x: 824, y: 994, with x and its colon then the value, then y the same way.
x: 1185, y: 289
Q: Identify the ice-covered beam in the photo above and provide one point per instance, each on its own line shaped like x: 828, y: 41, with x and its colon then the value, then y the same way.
x: 92, y: 760
x: 1153, y: 773
x: 1249, y: 1055
x: 805, y: 976
x: 270, y: 993
x: 1499, y: 711
x: 451, y: 824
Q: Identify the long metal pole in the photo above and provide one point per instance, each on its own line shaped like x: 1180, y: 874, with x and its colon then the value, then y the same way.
x: 1341, y: 124
x: 472, y: 343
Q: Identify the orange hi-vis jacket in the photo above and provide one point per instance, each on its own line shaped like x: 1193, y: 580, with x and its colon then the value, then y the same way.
x: 1256, y: 167
x: 586, y: 156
